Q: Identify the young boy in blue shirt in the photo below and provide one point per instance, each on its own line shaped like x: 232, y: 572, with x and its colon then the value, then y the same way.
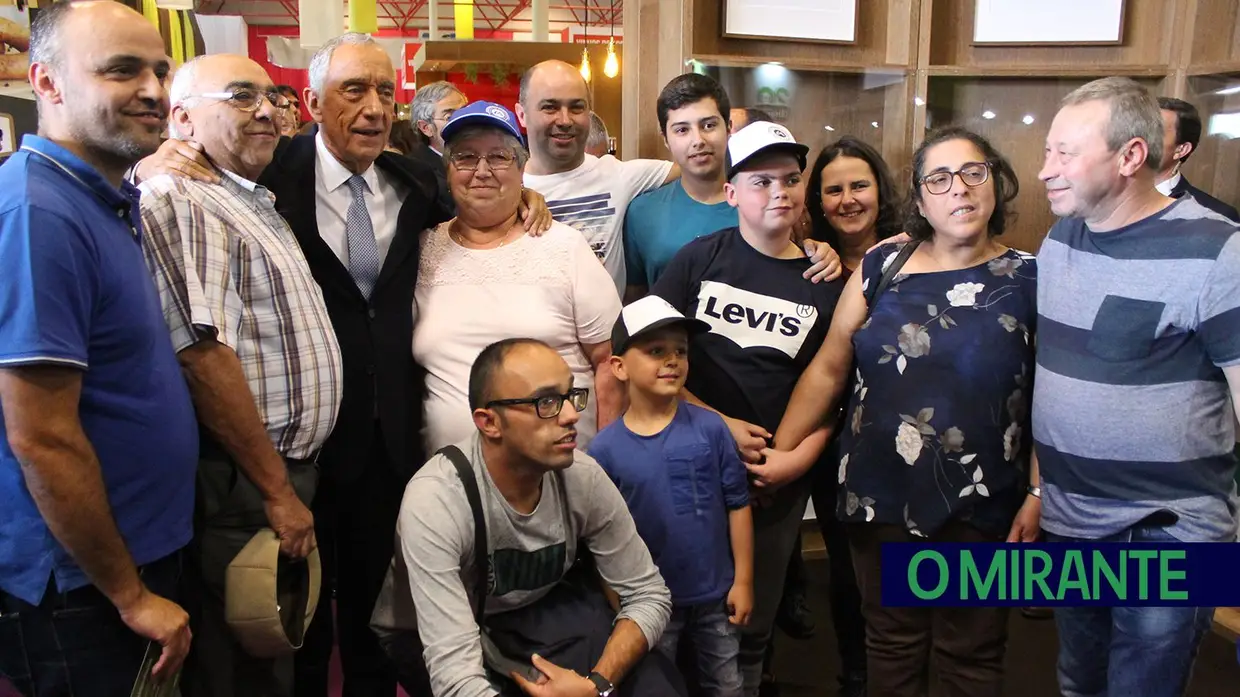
x: 677, y: 467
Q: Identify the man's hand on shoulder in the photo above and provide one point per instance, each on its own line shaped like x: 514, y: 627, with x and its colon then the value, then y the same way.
x: 555, y: 681
x: 177, y: 158
x: 533, y: 212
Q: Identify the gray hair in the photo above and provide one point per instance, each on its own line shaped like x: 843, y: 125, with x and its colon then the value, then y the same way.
x: 598, y: 132
x: 1134, y: 113
x: 45, y: 45
x: 323, y: 57
x: 467, y: 132
x: 183, y: 83
x: 424, y: 100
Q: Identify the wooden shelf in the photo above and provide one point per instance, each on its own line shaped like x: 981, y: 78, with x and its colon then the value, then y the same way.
x: 1214, y: 68
x: 1074, y: 70
x: 733, y: 61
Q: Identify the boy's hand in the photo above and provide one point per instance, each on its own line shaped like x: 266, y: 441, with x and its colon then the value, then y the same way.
x: 750, y: 439
x: 740, y: 603
x: 778, y: 469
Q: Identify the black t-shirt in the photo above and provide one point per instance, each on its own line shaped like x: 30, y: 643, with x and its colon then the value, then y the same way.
x: 767, y: 322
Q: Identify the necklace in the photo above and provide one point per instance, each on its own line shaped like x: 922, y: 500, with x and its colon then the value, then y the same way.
x: 461, y: 240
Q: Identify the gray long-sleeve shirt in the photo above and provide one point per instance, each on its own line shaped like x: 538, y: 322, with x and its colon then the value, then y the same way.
x: 436, y: 534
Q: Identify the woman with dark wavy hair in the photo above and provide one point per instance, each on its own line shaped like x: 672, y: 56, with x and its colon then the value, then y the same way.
x: 934, y: 443
x: 852, y: 199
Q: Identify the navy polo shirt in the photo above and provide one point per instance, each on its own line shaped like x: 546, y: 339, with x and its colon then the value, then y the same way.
x: 75, y: 292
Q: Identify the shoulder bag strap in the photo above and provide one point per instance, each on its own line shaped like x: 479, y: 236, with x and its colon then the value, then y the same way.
x: 481, y: 560
x: 871, y: 296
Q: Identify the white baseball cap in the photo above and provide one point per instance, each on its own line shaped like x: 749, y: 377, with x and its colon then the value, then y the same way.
x: 646, y: 315
x: 759, y: 137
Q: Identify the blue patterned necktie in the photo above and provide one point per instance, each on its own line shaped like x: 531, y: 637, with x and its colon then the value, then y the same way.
x: 363, y: 250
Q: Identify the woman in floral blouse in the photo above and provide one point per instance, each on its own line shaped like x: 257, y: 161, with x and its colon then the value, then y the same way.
x: 935, y: 437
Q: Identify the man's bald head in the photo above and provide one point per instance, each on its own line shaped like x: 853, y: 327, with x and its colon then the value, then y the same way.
x: 239, y: 133
x: 549, y: 69
x: 554, y: 107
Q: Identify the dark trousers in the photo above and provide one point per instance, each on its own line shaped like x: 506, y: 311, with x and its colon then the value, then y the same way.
x: 74, y: 644
x: 776, y: 535
x: 355, y: 523
x: 844, y: 595
x: 228, y: 513
x: 967, y: 644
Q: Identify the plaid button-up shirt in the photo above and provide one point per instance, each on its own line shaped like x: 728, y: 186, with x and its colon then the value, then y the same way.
x: 228, y: 268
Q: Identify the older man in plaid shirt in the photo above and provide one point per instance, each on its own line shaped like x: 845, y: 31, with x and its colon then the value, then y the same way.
x: 257, y: 347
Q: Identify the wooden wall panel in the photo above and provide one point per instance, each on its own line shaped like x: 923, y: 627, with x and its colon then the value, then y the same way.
x: 871, y: 49
x: 1216, y: 32
x: 1147, y: 42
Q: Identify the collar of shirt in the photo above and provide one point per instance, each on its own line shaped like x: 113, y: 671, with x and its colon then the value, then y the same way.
x: 245, y: 183
x: 86, y: 175
x: 336, y: 174
x: 1166, y: 187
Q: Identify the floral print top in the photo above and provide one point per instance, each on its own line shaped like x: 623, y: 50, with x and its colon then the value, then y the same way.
x: 937, y: 425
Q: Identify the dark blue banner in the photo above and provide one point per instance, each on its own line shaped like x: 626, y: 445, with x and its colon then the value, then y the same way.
x: 1061, y: 574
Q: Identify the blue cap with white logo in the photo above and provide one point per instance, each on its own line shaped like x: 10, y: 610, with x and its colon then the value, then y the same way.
x: 482, y: 114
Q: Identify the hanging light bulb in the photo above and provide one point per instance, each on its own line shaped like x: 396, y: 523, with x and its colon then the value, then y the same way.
x: 611, y: 67
x: 585, y: 64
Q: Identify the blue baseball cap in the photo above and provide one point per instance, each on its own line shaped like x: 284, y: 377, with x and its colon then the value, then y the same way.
x: 482, y: 114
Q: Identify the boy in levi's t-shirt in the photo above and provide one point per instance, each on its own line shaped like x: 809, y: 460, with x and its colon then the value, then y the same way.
x: 766, y: 323
x: 677, y: 467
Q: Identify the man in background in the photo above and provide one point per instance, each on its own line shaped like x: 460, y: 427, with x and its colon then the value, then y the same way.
x: 597, y: 143
x: 1181, y: 133
x: 291, y: 114
x: 430, y: 110
x: 743, y: 116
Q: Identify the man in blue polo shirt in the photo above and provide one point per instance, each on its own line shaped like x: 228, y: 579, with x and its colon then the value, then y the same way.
x: 98, y: 443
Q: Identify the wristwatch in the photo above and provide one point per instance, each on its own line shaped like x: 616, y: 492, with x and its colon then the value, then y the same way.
x: 603, y: 685
x: 1035, y: 491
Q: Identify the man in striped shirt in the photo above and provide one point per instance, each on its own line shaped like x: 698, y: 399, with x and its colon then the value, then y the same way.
x: 1138, y: 365
x: 256, y: 344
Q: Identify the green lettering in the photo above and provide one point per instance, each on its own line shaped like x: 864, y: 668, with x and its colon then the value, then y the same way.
x: 970, y: 578
x: 1037, y: 576
x: 1073, y: 566
x: 1166, y: 575
x: 1102, y: 567
x: 915, y: 586
x: 1143, y: 557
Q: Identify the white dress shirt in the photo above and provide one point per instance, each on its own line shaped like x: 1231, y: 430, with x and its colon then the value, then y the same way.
x: 332, y: 199
x: 1166, y: 187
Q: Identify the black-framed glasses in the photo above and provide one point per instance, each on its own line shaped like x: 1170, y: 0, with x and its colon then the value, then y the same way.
x: 973, y: 174
x: 548, y: 406
x: 248, y: 100
x: 497, y: 160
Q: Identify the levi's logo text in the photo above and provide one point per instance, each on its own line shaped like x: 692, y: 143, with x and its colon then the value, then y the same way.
x: 752, y: 320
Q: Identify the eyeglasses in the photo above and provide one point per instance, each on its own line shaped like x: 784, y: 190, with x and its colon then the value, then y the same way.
x: 548, y: 406
x: 972, y: 174
x: 247, y: 100
x: 469, y: 161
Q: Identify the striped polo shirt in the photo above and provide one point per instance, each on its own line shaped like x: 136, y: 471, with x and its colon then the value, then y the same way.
x: 1132, y: 415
